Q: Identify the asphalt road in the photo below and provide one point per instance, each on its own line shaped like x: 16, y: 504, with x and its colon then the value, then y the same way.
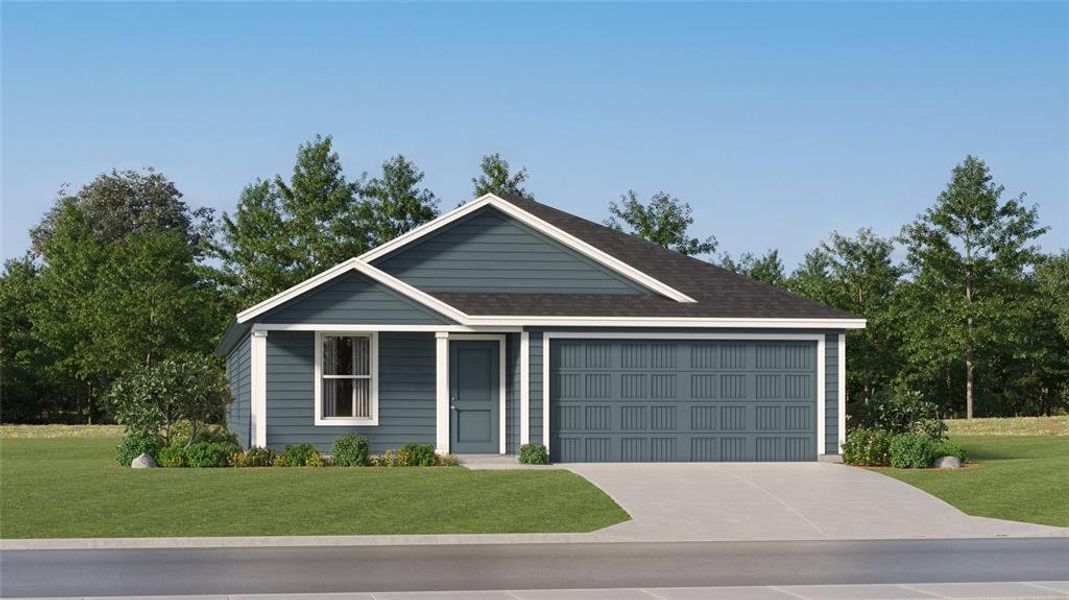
x: 526, y: 566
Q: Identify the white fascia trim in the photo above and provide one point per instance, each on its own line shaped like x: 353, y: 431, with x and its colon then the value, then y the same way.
x: 353, y: 264
x: 539, y: 225
x: 373, y: 420
x: 566, y: 321
x: 525, y: 388
x: 441, y: 392
x: 464, y: 337
x: 842, y: 391
x: 380, y: 327
x: 258, y: 388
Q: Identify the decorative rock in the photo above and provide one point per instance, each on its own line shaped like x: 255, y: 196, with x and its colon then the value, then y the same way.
x: 143, y: 461
x: 946, y: 462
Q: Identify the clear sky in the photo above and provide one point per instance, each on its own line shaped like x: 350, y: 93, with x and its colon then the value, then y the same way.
x: 778, y: 123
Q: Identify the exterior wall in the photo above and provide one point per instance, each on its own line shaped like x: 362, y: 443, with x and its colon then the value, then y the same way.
x: 512, y: 393
x: 354, y: 298
x: 831, y: 393
x: 831, y: 373
x: 406, y: 392
x: 491, y: 252
x: 238, y: 375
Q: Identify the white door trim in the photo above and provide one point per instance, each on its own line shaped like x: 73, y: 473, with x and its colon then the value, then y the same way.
x: 819, y: 338
x: 502, y: 390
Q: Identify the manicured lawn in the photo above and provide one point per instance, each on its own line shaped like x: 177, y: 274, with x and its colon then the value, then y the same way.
x: 69, y: 487
x: 1010, y: 426
x: 1020, y: 478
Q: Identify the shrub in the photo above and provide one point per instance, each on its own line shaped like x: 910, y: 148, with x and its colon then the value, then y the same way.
x: 948, y: 448
x: 258, y: 457
x: 278, y: 461
x: 316, y: 459
x: 172, y: 456
x: 210, y: 454
x: 182, y: 430
x: 448, y: 460
x: 417, y: 455
x: 297, y: 456
x: 135, y: 443
x: 871, y: 447
x: 911, y: 451
x: 899, y: 410
x: 351, y: 450
x: 533, y: 454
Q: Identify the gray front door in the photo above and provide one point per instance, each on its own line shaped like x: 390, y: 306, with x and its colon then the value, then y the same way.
x: 474, y: 397
x: 671, y: 400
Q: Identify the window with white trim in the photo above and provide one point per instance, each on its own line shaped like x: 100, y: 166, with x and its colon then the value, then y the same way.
x: 346, y: 379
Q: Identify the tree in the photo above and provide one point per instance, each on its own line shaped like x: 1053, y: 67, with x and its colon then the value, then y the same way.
x: 395, y: 202
x: 284, y: 232
x: 120, y: 202
x: 859, y: 275
x: 766, y: 269
x: 967, y: 255
x: 497, y: 179
x: 665, y: 221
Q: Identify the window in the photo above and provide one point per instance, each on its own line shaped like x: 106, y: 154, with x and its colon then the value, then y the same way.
x: 346, y: 379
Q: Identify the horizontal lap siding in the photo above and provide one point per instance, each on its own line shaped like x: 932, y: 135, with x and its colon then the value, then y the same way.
x: 354, y: 299
x: 512, y: 393
x: 831, y: 393
x: 406, y: 392
x: 492, y: 252
x: 238, y: 375
x: 536, y: 387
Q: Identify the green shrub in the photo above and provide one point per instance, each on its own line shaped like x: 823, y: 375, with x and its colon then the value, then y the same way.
x: 870, y: 447
x: 172, y: 456
x: 533, y: 454
x: 417, y: 455
x: 899, y: 410
x: 210, y: 454
x: 258, y: 457
x: 316, y: 459
x: 949, y: 448
x: 135, y: 443
x: 448, y: 460
x: 181, y: 431
x: 351, y: 450
x: 911, y: 451
x: 297, y: 456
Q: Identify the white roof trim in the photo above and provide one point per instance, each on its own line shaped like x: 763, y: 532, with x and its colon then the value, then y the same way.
x: 353, y: 264
x: 541, y: 226
x: 569, y: 321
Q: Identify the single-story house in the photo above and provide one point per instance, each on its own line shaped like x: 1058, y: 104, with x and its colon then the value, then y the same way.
x: 507, y: 321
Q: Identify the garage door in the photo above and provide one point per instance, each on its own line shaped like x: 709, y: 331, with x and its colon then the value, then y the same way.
x: 672, y: 400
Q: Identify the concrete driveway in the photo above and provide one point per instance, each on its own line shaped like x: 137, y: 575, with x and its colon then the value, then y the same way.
x: 780, y: 501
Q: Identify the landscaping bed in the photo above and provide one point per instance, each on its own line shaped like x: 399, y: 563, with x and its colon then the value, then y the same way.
x: 71, y: 487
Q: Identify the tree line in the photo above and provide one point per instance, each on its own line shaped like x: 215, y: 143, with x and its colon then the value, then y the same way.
x: 123, y: 273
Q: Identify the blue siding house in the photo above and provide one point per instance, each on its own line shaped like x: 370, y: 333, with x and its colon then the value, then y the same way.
x: 507, y: 321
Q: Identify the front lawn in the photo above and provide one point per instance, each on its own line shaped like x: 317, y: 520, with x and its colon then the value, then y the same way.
x: 70, y: 487
x: 1016, y: 477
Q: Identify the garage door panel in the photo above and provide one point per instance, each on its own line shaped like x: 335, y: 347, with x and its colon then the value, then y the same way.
x: 662, y: 401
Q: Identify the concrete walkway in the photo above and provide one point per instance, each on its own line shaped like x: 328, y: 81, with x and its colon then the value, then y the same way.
x: 950, y: 591
x: 779, y: 501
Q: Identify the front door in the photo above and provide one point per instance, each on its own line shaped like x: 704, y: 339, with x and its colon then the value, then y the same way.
x: 474, y: 396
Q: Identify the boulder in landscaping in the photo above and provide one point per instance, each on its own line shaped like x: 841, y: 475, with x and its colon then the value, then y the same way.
x: 946, y: 462
x: 143, y: 461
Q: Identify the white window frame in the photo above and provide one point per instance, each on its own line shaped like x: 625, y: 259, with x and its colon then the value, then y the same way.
x: 373, y: 369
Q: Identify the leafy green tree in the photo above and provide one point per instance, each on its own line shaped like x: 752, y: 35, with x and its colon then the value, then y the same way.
x: 664, y: 220
x: 967, y: 255
x: 859, y: 275
x: 766, y: 269
x: 121, y: 202
x: 395, y: 202
x: 497, y: 178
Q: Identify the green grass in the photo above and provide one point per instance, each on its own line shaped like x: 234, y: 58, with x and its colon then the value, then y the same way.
x: 1010, y: 426
x: 1019, y: 478
x: 70, y: 487
x: 59, y: 431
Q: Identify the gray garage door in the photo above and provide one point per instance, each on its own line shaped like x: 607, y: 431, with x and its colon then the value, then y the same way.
x: 672, y: 400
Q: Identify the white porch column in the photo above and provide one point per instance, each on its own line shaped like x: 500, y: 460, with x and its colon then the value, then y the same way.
x: 822, y: 395
x: 525, y: 388
x: 258, y: 387
x: 441, y: 413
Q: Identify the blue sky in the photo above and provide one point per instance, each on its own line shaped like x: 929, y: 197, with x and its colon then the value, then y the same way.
x: 778, y: 123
